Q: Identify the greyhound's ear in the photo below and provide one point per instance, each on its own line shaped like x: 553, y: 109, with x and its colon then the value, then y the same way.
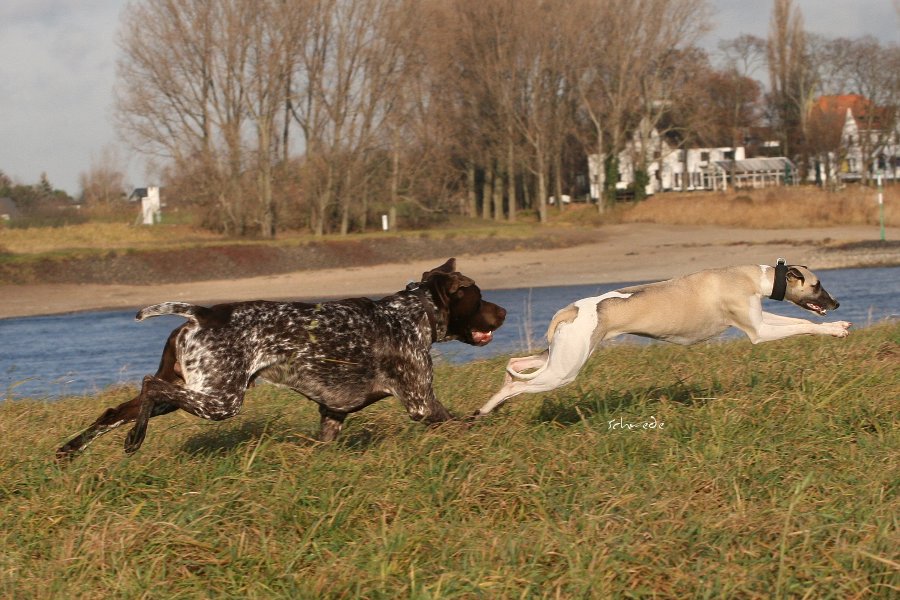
x: 794, y: 273
x: 447, y: 267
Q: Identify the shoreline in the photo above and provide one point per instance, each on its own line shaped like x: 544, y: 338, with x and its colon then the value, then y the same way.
x: 625, y: 252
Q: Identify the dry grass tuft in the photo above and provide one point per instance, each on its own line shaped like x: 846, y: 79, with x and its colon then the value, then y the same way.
x: 772, y: 208
x: 98, y: 235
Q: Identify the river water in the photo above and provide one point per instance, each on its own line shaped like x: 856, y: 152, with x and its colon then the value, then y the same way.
x: 79, y: 353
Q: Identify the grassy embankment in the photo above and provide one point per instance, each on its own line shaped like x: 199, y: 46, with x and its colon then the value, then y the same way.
x: 775, y: 473
x: 772, y: 208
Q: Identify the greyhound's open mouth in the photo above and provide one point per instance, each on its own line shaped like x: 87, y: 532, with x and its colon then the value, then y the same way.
x: 812, y: 306
x: 482, y: 337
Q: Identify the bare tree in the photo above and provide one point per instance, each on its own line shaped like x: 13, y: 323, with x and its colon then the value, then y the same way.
x: 792, y: 78
x: 872, y: 71
x: 103, y: 185
x: 629, y: 50
x: 544, y: 112
x: 201, y: 84
x: 351, y: 64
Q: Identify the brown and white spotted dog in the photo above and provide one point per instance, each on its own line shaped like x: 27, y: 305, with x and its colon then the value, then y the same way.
x: 343, y: 355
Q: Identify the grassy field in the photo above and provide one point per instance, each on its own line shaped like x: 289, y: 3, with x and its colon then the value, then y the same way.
x: 100, y: 237
x: 772, y: 472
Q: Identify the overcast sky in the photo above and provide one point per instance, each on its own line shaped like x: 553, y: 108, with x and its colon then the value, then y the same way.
x: 57, y: 72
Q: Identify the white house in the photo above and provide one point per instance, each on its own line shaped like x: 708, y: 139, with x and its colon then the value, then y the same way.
x: 668, y: 168
x: 151, y: 209
x: 869, y: 140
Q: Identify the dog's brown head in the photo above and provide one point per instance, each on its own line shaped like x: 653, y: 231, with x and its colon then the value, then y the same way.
x: 805, y: 290
x: 469, y: 319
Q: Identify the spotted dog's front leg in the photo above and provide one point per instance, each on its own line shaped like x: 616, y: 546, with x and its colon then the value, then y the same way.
x: 225, y: 403
x: 415, y: 390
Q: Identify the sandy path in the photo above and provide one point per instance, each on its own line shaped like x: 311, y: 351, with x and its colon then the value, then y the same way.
x: 632, y: 252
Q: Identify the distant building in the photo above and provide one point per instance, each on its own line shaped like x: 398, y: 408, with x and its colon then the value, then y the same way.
x: 853, y: 139
x: 670, y: 168
x: 754, y: 173
x: 151, y: 209
x: 8, y: 209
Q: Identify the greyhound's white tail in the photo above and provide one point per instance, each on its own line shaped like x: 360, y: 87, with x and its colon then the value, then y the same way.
x: 188, y: 311
x: 564, y: 315
x: 527, y: 376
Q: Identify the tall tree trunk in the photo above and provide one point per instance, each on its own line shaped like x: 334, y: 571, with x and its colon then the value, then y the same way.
x: 471, y: 192
x: 395, y: 188
x: 264, y: 180
x: 541, y: 187
x: 487, y: 193
x: 557, y: 180
x: 498, y: 195
x: 601, y: 169
x: 511, y: 185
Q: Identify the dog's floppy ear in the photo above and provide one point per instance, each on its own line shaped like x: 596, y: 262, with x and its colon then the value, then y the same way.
x: 794, y: 273
x: 447, y: 267
x: 446, y: 284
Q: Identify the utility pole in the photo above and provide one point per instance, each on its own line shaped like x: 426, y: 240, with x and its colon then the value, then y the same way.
x: 881, y: 206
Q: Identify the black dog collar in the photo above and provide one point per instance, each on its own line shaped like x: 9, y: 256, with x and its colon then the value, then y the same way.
x: 780, y: 285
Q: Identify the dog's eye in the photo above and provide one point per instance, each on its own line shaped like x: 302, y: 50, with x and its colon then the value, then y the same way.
x: 817, y: 286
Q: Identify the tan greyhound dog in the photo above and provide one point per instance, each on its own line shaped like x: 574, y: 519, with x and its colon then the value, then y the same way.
x: 685, y: 310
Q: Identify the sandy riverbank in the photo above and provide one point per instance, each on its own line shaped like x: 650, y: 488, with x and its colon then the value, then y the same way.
x: 631, y: 252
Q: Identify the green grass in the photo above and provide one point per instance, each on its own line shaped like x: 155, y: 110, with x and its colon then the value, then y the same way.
x: 775, y: 474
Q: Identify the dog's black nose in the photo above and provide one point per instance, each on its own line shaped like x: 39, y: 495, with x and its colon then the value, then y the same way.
x: 836, y: 304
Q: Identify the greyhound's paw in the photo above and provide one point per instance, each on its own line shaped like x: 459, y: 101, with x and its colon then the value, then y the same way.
x: 839, y: 329
x: 472, y: 417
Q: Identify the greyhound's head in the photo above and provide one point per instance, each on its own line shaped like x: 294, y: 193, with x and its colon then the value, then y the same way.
x: 805, y: 290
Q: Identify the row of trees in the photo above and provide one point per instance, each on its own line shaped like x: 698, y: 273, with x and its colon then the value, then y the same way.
x: 317, y: 113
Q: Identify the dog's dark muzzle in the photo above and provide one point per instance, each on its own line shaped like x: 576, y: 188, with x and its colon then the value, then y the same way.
x: 820, y: 304
x: 492, y: 317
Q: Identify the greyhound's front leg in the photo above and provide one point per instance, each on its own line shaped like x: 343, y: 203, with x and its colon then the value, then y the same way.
x: 772, y: 327
x: 773, y: 319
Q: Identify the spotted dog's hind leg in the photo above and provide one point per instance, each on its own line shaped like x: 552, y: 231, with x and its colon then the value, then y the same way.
x: 109, y: 420
x: 330, y: 424
x: 225, y: 403
x: 169, y: 370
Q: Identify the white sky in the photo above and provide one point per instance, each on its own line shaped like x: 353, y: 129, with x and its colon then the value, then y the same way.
x: 57, y: 72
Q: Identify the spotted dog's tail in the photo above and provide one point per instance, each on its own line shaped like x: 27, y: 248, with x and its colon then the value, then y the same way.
x: 188, y: 311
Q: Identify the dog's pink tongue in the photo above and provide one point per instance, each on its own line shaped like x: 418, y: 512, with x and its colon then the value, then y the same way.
x: 482, y: 337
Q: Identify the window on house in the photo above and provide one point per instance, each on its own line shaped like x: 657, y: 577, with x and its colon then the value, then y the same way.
x: 729, y: 155
x: 704, y: 156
